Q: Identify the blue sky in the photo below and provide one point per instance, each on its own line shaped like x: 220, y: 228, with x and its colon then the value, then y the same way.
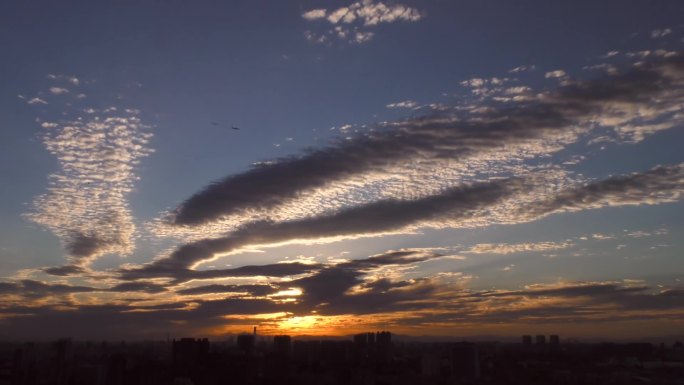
x: 525, y: 156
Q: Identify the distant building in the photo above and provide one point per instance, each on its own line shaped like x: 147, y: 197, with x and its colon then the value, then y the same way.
x: 383, y: 338
x: 282, y: 346
x: 465, y: 360
x: 527, y: 341
x: 376, y: 346
x: 245, y: 342
x: 63, y: 361
x: 540, y: 340
x: 361, y: 340
x: 306, y: 352
x: 116, y: 370
x: 189, y: 353
x: 554, y: 341
x: 383, y: 351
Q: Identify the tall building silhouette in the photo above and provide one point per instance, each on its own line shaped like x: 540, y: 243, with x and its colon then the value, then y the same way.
x: 189, y: 353
x: 527, y: 341
x: 282, y: 346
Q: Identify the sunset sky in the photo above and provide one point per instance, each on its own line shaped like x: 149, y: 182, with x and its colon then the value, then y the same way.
x: 445, y: 168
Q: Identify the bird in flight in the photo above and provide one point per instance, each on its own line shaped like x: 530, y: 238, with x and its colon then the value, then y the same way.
x: 213, y: 123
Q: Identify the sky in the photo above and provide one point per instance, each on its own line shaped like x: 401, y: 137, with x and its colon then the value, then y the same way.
x: 447, y: 168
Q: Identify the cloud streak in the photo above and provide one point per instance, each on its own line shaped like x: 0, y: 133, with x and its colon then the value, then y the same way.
x: 455, y: 146
x: 362, y: 221
x: 504, y: 201
x: 661, y: 184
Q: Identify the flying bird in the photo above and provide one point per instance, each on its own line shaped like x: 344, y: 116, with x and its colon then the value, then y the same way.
x: 213, y: 123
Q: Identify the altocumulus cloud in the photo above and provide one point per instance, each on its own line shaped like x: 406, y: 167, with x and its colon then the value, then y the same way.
x: 488, y: 145
x: 86, y: 201
x: 472, y: 205
x: 352, y: 23
x: 487, y: 142
x: 435, y: 152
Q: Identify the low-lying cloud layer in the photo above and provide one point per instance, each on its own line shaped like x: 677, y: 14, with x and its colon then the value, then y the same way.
x: 334, y: 292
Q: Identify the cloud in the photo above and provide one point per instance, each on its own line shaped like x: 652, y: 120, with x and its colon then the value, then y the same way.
x: 494, y: 143
x: 403, y: 104
x: 37, y: 289
x: 362, y: 221
x: 517, y: 90
x: 314, y: 37
x: 555, y: 74
x: 314, y: 14
x: 658, y: 33
x: 661, y: 184
x: 37, y: 101
x: 427, y: 154
x: 508, y: 248
x: 643, y: 234
x: 367, y: 11
x: 68, y: 78
x: 505, y: 201
x: 86, y: 200
x: 335, y: 16
x: 362, y: 37
x: 65, y: 270
x: 58, y: 90
x: 181, y: 274
x: 332, y: 283
x: 342, y: 291
x: 140, y: 286
x: 394, y: 257
x: 523, y: 68
x: 351, y: 23
x: 33, y: 289
x: 255, y: 290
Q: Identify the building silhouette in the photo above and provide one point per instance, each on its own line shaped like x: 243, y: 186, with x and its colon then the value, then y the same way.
x: 527, y: 341
x: 282, y: 346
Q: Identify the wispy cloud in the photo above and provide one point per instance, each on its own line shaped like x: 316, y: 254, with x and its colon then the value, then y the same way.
x: 555, y: 74
x: 36, y: 100
x: 523, y: 68
x: 58, y: 90
x: 658, y: 33
x: 508, y: 248
x: 661, y: 184
x: 65, y: 78
x: 403, y: 104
